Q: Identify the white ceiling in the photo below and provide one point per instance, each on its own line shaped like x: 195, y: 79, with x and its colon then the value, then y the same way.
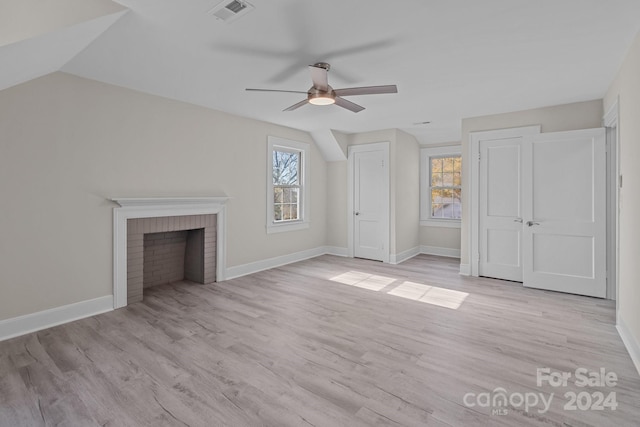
x: 450, y: 58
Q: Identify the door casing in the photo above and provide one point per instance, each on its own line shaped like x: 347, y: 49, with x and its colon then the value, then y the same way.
x: 386, y: 237
x: 614, y: 183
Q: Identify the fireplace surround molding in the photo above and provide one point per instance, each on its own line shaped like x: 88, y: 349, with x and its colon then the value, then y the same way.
x: 154, y: 207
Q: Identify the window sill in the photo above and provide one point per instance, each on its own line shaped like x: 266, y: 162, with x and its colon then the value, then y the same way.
x: 440, y: 223
x: 289, y: 226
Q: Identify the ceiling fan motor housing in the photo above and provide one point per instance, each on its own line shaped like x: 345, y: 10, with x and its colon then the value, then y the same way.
x: 321, y: 97
x: 324, y: 65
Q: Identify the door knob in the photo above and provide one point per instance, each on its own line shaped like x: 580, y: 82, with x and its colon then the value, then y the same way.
x: 531, y: 223
x: 518, y: 220
x: 357, y: 213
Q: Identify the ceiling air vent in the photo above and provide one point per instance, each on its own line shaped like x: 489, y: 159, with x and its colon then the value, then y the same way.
x: 230, y: 11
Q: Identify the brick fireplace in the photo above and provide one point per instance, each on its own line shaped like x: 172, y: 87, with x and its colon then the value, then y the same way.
x: 159, y: 240
x: 168, y: 249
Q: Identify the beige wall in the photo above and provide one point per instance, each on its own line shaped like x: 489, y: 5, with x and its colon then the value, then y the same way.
x: 440, y: 237
x: 626, y: 86
x: 68, y: 144
x: 407, y: 200
x: 581, y: 115
x: 337, y: 214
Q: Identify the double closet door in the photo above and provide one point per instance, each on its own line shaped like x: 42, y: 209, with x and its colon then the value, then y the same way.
x: 542, y: 211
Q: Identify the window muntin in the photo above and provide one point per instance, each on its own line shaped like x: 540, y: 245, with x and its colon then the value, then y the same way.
x: 286, y: 184
x: 441, y: 186
x: 445, y: 187
x: 288, y: 203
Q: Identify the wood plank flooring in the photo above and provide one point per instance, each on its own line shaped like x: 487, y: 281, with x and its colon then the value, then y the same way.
x: 324, y: 342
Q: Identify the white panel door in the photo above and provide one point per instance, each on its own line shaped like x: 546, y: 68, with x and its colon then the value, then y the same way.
x: 500, y: 209
x: 564, y: 235
x: 369, y: 203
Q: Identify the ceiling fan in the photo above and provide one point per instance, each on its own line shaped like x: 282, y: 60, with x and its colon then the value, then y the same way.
x: 323, y: 94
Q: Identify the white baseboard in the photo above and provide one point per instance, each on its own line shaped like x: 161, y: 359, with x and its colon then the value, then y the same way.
x: 266, y: 264
x: 435, y: 250
x: 28, y: 323
x: 465, y: 269
x: 336, y: 250
x: 632, y: 344
x: 403, y: 256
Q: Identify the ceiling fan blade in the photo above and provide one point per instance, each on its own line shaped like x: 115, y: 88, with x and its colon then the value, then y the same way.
x: 320, y: 78
x: 297, y: 105
x: 366, y: 90
x: 341, y: 102
x: 273, y: 90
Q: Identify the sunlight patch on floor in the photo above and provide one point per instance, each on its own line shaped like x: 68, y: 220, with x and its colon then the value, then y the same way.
x: 428, y: 294
x: 435, y: 295
x: 364, y: 280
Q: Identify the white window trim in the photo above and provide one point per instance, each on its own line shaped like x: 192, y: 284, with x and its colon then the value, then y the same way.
x: 275, y: 143
x: 425, y: 198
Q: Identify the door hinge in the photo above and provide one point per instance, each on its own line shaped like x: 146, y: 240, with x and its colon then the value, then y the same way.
x: 479, y: 155
x: 382, y: 164
x: 620, y: 181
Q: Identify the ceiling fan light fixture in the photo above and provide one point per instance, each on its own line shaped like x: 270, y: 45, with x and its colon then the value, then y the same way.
x: 323, y: 94
x: 322, y: 98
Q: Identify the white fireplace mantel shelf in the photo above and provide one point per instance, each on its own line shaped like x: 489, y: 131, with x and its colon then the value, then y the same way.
x: 149, y: 207
x: 167, y: 201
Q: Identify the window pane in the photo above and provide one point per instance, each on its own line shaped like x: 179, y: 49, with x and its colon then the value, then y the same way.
x: 436, y: 165
x: 457, y: 204
x: 286, y: 212
x: 457, y: 211
x: 447, y: 179
x: 446, y: 203
x: 294, y: 211
x: 436, y: 210
x: 436, y: 196
x: 448, y: 164
x: 436, y: 180
x: 457, y: 179
x: 277, y: 212
x: 277, y: 195
x: 286, y: 167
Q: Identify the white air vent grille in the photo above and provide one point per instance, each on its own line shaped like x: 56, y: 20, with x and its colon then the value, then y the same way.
x: 230, y: 11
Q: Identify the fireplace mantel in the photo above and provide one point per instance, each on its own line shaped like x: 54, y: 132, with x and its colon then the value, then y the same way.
x: 152, y: 207
x: 126, y: 202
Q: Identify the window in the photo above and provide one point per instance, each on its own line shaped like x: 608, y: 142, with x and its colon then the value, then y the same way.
x: 441, y: 186
x: 287, y: 185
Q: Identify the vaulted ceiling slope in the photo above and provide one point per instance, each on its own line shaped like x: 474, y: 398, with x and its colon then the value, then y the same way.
x: 39, y: 37
x: 449, y: 58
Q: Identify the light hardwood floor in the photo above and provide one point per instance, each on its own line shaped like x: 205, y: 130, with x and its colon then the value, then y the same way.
x: 324, y: 342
